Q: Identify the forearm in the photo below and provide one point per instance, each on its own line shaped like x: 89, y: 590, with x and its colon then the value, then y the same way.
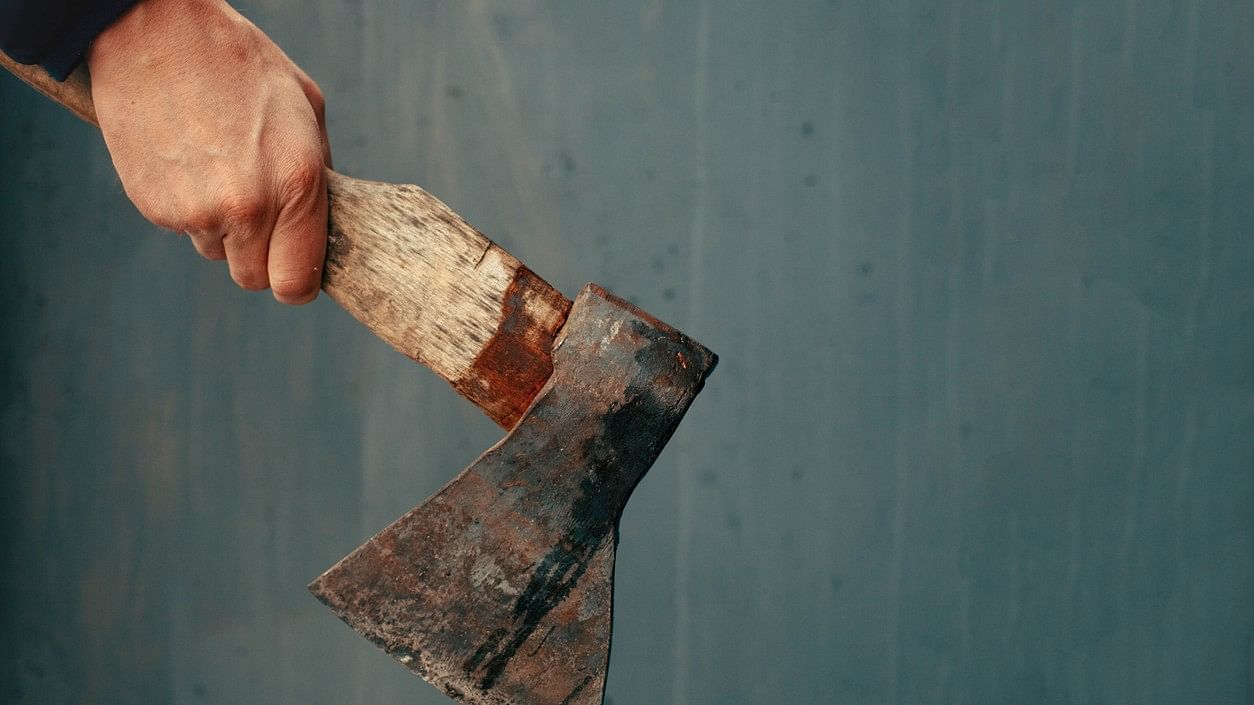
x: 55, y: 33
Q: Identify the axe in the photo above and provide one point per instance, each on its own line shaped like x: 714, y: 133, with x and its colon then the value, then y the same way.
x: 498, y: 588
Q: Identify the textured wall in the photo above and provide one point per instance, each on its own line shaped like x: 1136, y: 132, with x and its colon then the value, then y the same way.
x: 982, y: 280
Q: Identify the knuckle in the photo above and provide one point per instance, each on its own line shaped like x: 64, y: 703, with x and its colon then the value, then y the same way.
x: 243, y: 210
x: 160, y: 216
x: 162, y: 220
x: 318, y: 102
x: 303, y: 177
x: 201, y: 222
x: 312, y: 91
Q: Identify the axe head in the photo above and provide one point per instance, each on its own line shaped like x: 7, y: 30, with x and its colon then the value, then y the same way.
x: 498, y: 588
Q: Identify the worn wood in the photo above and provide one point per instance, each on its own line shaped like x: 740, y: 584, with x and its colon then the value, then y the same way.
x: 74, y: 94
x: 420, y: 277
x: 424, y: 280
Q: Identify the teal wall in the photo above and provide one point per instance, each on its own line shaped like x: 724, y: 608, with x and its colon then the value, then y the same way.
x: 981, y: 276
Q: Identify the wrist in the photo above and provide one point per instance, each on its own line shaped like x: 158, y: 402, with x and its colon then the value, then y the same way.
x: 153, y: 29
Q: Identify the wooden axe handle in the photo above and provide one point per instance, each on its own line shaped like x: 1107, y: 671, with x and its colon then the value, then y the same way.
x: 418, y: 276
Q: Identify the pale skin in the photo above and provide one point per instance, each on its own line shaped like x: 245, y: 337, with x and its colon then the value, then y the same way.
x: 216, y: 134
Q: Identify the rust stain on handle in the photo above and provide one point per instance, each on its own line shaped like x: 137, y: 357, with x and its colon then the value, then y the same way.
x: 516, y: 362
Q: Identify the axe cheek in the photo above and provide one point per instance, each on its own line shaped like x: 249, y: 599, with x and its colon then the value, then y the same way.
x: 499, y: 588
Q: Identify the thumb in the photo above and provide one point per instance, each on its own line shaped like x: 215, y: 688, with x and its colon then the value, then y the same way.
x: 299, y: 243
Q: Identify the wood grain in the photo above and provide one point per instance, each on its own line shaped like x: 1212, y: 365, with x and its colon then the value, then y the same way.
x: 74, y: 93
x: 420, y: 277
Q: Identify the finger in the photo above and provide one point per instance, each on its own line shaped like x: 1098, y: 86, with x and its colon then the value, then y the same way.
x: 299, y: 243
x: 326, y: 146
x: 316, y: 101
x: 248, y: 221
x: 208, y: 245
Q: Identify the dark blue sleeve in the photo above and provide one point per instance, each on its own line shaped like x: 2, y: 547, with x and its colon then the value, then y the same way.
x: 55, y: 33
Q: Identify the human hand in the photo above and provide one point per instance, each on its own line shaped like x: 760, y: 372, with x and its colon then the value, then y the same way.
x: 215, y: 133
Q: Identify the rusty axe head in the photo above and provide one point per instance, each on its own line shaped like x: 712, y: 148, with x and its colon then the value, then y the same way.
x: 498, y: 588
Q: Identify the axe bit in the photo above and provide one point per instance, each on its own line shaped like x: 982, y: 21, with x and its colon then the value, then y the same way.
x: 498, y: 588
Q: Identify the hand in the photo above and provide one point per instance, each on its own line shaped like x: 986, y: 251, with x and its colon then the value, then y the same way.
x: 217, y: 134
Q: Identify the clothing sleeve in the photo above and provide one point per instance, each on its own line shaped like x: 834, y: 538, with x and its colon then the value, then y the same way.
x: 55, y: 33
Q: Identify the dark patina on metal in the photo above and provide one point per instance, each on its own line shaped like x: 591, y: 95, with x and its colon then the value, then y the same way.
x: 498, y: 588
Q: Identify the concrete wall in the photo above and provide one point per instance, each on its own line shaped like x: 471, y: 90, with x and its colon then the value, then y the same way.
x: 982, y: 280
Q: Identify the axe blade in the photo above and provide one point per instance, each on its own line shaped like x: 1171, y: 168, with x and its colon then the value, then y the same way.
x: 498, y: 589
